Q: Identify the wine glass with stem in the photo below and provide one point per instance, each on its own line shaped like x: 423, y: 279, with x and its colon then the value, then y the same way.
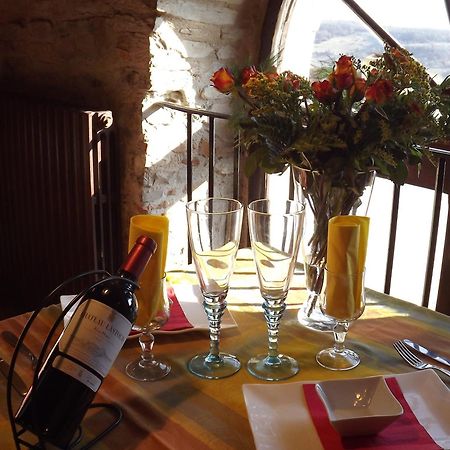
x: 275, y: 233
x: 147, y: 367
x: 343, y: 299
x: 214, y: 229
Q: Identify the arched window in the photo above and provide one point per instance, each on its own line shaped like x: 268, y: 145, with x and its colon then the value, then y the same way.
x: 310, y: 35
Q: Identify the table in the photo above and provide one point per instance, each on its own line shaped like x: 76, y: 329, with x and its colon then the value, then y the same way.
x: 183, y: 412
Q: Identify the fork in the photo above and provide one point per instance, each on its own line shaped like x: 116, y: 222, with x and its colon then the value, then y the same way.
x: 413, y: 360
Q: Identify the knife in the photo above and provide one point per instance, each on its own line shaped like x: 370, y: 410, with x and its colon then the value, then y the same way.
x: 425, y: 351
x: 16, y: 381
x: 12, y: 340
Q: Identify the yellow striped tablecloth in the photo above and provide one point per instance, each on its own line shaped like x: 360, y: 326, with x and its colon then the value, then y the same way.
x: 183, y: 412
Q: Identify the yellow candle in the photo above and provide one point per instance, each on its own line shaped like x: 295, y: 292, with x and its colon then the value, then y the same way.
x: 149, y: 296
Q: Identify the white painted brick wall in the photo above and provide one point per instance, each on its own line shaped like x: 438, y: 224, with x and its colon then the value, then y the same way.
x: 192, y: 39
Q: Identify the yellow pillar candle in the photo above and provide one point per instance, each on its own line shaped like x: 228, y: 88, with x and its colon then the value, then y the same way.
x: 149, y: 295
x: 346, y: 256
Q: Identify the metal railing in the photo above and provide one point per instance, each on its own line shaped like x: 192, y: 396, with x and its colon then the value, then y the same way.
x: 212, y: 118
x: 441, y: 157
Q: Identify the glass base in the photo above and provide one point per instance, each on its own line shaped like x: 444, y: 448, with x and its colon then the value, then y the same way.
x: 141, y: 370
x: 334, y: 360
x: 273, y: 368
x: 316, y: 321
x: 204, y: 366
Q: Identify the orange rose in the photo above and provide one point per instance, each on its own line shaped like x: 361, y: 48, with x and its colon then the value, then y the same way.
x: 344, y: 73
x: 358, y: 89
x: 291, y: 81
x: 271, y: 76
x: 324, y: 91
x: 397, y: 54
x: 380, y: 91
x: 247, y: 73
x: 223, y: 80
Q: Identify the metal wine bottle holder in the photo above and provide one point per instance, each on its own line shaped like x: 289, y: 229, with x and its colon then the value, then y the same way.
x: 18, y: 430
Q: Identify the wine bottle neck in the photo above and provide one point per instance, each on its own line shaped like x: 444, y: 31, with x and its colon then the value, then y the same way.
x: 129, y: 275
x: 138, y: 258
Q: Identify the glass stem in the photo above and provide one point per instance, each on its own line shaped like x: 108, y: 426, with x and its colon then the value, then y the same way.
x: 273, y: 312
x: 214, y: 308
x: 146, y: 341
x: 340, y: 332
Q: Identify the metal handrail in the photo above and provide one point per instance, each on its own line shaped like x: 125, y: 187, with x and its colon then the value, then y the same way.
x: 212, y: 117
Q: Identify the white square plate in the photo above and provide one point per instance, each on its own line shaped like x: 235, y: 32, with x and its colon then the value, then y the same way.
x: 280, y: 419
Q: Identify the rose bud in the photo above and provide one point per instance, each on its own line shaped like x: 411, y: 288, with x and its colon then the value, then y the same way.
x: 324, y: 91
x: 379, y: 92
x: 291, y: 81
x: 399, y: 55
x: 415, y: 108
x: 358, y: 89
x: 344, y: 73
x: 247, y: 73
x: 271, y: 76
x: 223, y: 80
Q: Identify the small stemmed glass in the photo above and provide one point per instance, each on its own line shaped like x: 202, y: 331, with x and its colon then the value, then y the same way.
x: 275, y: 233
x: 147, y: 367
x: 343, y: 299
x: 214, y: 226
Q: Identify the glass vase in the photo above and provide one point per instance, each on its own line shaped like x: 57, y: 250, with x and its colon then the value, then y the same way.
x: 325, y: 196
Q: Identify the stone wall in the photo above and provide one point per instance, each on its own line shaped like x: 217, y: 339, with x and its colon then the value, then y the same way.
x: 192, y: 39
x: 95, y: 54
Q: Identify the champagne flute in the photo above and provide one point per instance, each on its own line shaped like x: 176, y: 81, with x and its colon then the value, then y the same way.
x: 343, y: 299
x: 147, y: 367
x: 214, y: 228
x: 275, y: 234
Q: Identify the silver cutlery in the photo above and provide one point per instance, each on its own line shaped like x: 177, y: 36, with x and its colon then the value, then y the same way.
x: 11, y: 339
x: 427, y: 352
x: 413, y: 360
x: 16, y: 382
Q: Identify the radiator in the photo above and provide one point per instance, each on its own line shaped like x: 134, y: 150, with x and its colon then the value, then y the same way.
x: 58, y: 198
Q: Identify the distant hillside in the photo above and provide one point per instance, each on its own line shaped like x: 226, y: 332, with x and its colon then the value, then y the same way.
x: 430, y: 47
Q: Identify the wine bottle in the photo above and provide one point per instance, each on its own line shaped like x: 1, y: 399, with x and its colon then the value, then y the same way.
x: 74, y: 370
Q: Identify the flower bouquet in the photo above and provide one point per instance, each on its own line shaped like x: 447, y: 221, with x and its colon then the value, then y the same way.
x: 335, y: 133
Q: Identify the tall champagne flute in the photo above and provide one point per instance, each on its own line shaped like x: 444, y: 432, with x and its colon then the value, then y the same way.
x: 343, y: 299
x: 275, y: 233
x: 214, y: 228
x: 147, y: 367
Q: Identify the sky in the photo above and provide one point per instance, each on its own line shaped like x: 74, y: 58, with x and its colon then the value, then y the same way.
x: 407, y: 13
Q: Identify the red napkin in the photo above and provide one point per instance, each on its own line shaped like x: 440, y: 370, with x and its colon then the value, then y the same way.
x: 177, y: 319
x: 405, y: 433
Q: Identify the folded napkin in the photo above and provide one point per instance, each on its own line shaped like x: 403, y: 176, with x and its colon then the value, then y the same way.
x: 404, y: 433
x: 149, y: 295
x: 177, y: 319
x: 346, y: 258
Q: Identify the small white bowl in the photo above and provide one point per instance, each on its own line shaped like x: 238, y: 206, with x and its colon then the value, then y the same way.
x: 360, y: 406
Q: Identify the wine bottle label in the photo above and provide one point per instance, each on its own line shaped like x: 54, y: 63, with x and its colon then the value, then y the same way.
x: 94, y: 336
x: 76, y: 371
